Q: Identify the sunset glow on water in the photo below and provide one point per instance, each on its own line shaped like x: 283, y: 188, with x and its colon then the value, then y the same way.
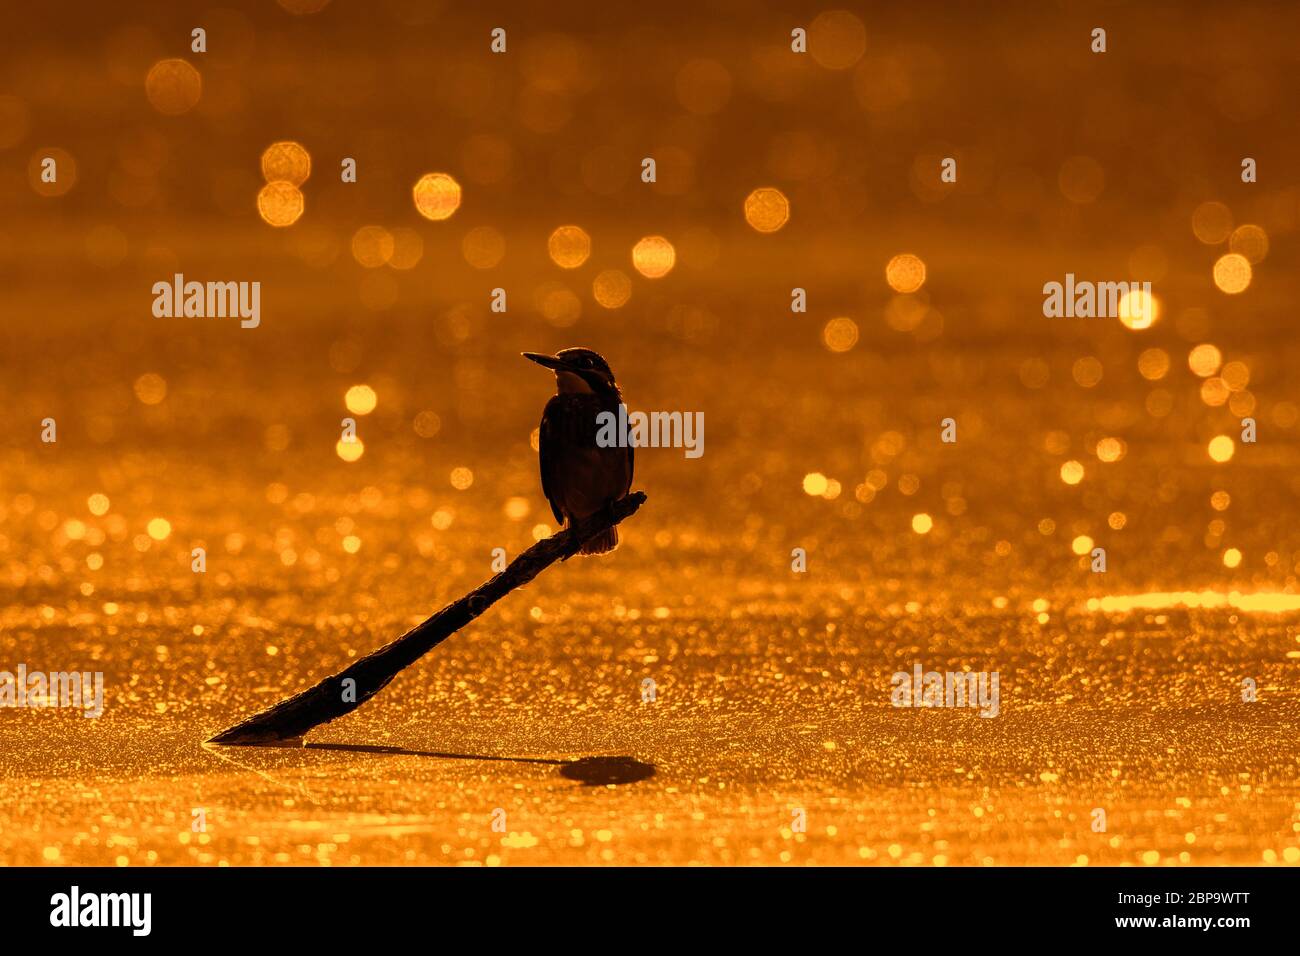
x: 1259, y: 603
x: 912, y: 463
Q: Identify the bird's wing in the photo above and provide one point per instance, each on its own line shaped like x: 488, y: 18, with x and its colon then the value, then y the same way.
x: 631, y: 463
x: 547, y: 449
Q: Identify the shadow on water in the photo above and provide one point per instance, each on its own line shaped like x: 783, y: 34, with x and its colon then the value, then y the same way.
x: 600, y: 771
x: 589, y: 771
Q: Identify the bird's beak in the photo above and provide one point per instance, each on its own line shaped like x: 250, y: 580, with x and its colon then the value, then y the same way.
x: 547, y: 361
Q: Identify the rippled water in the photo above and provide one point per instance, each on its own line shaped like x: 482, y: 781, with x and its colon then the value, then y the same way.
x: 1124, y: 691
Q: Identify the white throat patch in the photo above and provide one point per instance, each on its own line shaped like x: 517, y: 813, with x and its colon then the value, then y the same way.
x: 570, y: 383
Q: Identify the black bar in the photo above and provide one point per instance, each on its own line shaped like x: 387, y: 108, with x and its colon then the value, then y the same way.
x: 613, y: 907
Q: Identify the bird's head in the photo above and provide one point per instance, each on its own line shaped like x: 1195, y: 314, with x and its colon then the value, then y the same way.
x: 578, y: 370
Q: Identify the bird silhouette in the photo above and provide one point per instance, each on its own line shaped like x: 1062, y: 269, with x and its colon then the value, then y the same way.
x: 579, y: 477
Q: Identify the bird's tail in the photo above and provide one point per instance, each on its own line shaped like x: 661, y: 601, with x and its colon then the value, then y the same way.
x: 603, y: 543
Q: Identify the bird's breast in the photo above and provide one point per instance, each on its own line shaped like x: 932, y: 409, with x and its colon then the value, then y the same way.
x: 586, y: 474
x: 572, y: 419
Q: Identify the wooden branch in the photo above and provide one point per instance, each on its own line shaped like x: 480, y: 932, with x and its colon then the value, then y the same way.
x: 292, y: 718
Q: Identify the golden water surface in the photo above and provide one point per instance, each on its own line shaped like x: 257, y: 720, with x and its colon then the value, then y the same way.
x: 1126, y: 691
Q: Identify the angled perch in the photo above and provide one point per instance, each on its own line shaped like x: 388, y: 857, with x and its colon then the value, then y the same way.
x: 292, y: 718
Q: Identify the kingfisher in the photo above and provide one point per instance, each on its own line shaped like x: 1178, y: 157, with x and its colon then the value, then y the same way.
x: 579, y: 477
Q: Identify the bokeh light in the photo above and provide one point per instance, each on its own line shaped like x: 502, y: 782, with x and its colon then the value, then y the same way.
x: 1138, y: 309
x: 654, y: 257
x: 361, y: 399
x: 1153, y: 364
x: 1250, y: 241
x: 1214, y: 391
x: 1232, y: 273
x: 558, y: 304
x: 1204, y: 360
x: 612, y: 288
x: 372, y: 246
x: 1212, y: 223
x: 815, y: 484
x: 767, y: 209
x: 173, y: 87
x: 837, y: 39
x: 280, y: 204
x: 151, y: 388
x: 427, y: 423
x: 1235, y: 375
x: 1087, y: 371
x: 905, y: 313
x: 1242, y: 404
x: 905, y: 272
x: 286, y: 161
x: 569, y: 246
x: 483, y: 247
x: 1221, y: 448
x: 408, y: 249
x: 437, y: 196
x: 1072, y: 472
x: 840, y: 334
x: 1111, y: 449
